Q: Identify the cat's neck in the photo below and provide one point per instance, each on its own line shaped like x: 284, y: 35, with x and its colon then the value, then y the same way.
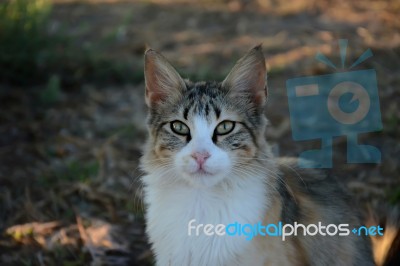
x: 171, y: 208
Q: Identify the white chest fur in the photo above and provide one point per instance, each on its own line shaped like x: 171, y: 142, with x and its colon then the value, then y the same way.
x: 170, y: 208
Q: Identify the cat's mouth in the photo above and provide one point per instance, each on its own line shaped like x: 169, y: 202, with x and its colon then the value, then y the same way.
x: 201, y: 172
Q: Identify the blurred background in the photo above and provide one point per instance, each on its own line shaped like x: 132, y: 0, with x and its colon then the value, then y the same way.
x: 72, y: 119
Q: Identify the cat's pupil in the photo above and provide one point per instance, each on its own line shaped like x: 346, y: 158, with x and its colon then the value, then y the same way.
x: 180, y: 128
x: 225, y: 127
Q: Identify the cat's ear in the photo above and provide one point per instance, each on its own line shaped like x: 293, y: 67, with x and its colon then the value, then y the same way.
x: 248, y: 76
x: 163, y: 82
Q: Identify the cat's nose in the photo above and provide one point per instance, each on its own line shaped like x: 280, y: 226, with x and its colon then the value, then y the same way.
x: 200, y: 157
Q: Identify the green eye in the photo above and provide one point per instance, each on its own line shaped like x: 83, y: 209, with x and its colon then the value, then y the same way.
x: 180, y: 128
x: 224, y: 127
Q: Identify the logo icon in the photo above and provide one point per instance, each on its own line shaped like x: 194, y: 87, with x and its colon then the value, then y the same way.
x: 338, y: 104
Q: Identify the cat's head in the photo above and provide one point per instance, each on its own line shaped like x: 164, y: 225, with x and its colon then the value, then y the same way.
x: 202, y: 133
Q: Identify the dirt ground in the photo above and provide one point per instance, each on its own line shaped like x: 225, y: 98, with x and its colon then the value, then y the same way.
x: 69, y: 189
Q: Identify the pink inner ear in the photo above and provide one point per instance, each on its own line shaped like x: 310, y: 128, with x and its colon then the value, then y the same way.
x: 260, y: 87
x: 155, y: 97
x: 259, y: 98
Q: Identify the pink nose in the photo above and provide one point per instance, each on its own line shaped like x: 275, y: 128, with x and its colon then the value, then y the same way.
x: 200, y: 157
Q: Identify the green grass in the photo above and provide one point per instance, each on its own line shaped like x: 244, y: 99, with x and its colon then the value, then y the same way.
x: 23, y: 38
x: 78, y: 171
x: 51, y: 93
x: 74, y: 171
x: 394, y: 196
x: 30, y: 54
x: 391, y: 124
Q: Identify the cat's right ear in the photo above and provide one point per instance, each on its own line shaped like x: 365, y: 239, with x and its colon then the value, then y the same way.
x: 247, y: 77
x: 163, y: 82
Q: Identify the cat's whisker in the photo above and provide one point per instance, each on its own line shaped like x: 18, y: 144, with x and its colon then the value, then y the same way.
x: 274, y: 161
x: 156, y: 160
x: 276, y: 176
x: 137, y: 201
x: 260, y: 167
x: 136, y: 180
x: 271, y: 174
x: 279, y: 179
x: 242, y: 172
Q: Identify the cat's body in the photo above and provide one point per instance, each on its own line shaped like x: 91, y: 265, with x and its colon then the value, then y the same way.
x: 207, y: 160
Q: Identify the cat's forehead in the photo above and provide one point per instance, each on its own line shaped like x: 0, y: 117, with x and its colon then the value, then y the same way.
x: 203, y: 98
x: 203, y: 89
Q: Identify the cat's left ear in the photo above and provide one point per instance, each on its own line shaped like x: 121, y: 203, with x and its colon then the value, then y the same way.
x: 248, y: 77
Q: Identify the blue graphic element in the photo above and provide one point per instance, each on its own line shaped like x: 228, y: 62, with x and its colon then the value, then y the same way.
x: 343, y: 49
x: 338, y: 104
x: 323, y: 59
x: 367, y: 54
x: 347, y: 103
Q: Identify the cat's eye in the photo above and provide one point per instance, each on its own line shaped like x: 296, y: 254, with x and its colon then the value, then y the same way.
x: 180, y: 128
x: 225, y: 127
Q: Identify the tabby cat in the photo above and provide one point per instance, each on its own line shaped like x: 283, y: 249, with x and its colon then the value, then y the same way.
x: 207, y: 162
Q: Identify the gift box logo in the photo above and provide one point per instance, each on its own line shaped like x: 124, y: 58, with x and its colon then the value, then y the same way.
x: 338, y: 104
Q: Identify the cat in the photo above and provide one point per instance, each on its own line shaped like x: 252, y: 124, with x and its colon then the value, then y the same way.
x: 207, y: 162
